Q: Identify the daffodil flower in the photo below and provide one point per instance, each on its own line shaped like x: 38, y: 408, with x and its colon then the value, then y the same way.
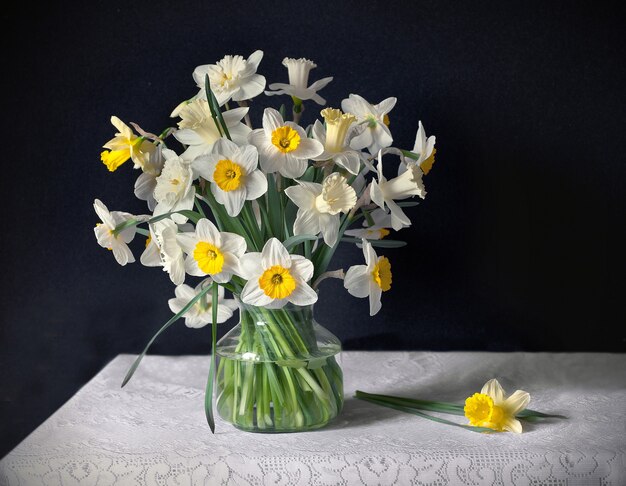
x: 201, y: 313
x: 385, y: 192
x: 147, y: 181
x: 369, y: 280
x: 298, y: 71
x: 233, y: 77
x: 319, y: 206
x: 425, y: 148
x: 335, y: 139
x: 210, y: 252
x: 125, y: 146
x: 174, y: 190
x: 376, y: 231
x: 492, y: 409
x: 163, y: 250
x: 275, y: 277
x: 372, y: 131
x: 198, y: 130
x: 233, y: 173
x: 283, y: 146
x: 104, y: 231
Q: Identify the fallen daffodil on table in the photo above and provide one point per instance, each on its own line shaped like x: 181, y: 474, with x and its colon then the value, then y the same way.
x: 487, y: 411
x: 259, y: 212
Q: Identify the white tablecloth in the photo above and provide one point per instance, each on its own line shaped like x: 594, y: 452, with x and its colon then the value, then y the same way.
x: 153, y: 432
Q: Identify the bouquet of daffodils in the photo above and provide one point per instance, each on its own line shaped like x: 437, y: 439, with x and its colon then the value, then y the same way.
x: 260, y: 212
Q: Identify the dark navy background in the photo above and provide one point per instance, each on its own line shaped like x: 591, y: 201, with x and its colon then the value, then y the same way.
x: 519, y: 245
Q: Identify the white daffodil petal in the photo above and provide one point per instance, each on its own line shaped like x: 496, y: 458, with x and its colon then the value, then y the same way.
x: 494, y: 390
x: 177, y: 271
x: 225, y: 148
x: 386, y: 105
x: 294, y: 169
x: 248, y: 158
x: 233, y: 243
x: 304, y: 194
x: 399, y: 219
x: 271, y: 121
x: 223, y: 313
x: 370, y: 255
x: 363, y: 139
x: 302, y: 267
x: 250, y: 265
x: 187, y: 242
x: 151, y: 257
x: 349, y: 160
x: 517, y: 402
x: 320, y: 83
x: 375, y: 295
x: 302, y: 294
x: 254, y: 59
x: 258, y: 138
x: 176, y: 305
x: 357, y: 281
x: 232, y: 201
x: 207, y: 231
x: 256, y: 185
x: 122, y: 254
x: 254, y: 87
x: 309, y: 148
x: 188, y: 137
x: 103, y: 213
x: 184, y: 291
x: 306, y: 223
x: 513, y: 425
x: 232, y: 117
x: 144, y: 187
x: 252, y: 294
x: 274, y: 253
x: 192, y: 268
x: 329, y: 225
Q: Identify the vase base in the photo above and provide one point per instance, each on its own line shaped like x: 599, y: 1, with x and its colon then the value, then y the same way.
x: 283, y: 431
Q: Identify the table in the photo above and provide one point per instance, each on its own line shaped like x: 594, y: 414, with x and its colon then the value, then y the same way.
x: 153, y: 431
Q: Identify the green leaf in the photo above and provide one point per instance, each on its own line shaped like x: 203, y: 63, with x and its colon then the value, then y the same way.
x: 410, y: 155
x: 134, y: 366
x: 533, y: 414
x: 208, y: 395
x: 434, y: 406
x: 292, y: 241
x: 324, y: 254
x: 444, y: 407
x: 376, y: 243
x: 214, y: 106
x: 408, y: 204
x: 283, y: 111
x: 414, y: 411
x: 274, y: 206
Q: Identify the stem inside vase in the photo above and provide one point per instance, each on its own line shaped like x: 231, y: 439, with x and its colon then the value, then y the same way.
x: 278, y: 371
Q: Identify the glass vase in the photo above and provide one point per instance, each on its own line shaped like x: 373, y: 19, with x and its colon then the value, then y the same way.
x: 278, y: 371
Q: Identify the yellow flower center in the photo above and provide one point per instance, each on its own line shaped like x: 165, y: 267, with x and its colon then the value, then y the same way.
x: 285, y: 139
x: 386, y: 119
x: 114, y: 158
x: 337, y: 124
x: 427, y: 164
x: 210, y: 259
x: 228, y: 175
x: 382, y: 273
x: 148, y: 240
x: 481, y: 411
x: 383, y: 232
x: 277, y: 282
